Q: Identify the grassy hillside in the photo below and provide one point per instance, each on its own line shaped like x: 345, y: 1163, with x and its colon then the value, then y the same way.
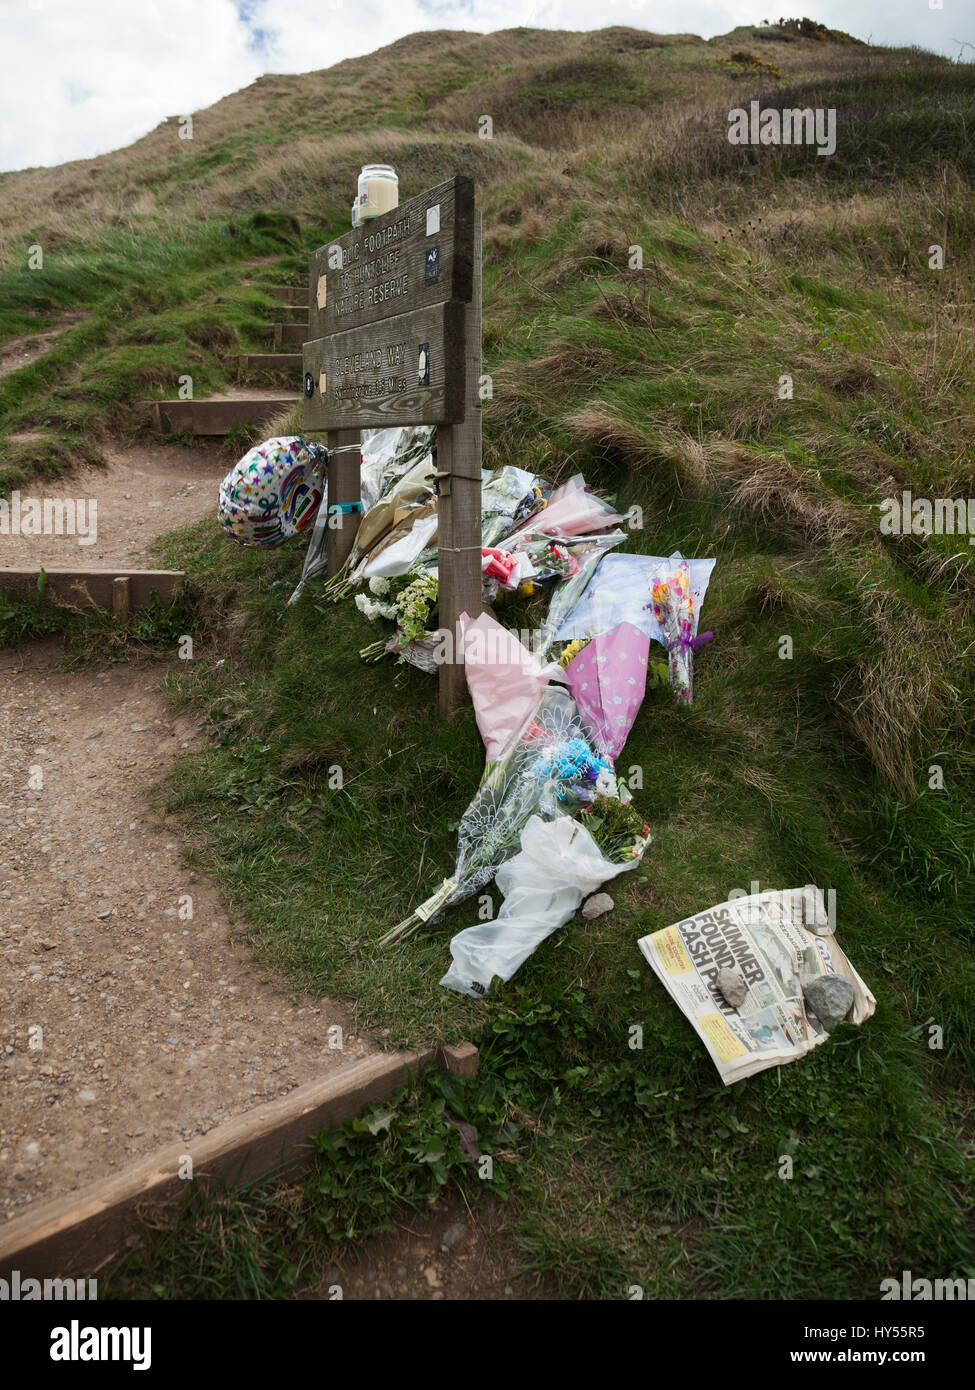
x: 661, y: 384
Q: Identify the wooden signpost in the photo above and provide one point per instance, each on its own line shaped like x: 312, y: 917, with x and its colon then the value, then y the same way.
x: 395, y: 339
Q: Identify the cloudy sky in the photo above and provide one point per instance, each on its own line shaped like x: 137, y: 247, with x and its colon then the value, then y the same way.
x: 81, y: 77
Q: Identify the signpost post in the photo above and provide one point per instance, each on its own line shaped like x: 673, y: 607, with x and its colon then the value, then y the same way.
x: 395, y: 339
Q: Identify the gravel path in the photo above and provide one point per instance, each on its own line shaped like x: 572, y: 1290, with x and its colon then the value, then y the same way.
x: 143, y: 492
x: 153, y: 1028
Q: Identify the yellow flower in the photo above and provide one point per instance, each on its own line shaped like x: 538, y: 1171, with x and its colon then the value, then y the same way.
x: 573, y: 649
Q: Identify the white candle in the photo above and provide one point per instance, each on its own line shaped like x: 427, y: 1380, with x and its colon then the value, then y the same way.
x: 378, y: 190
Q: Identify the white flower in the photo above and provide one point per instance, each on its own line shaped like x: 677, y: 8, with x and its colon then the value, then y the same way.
x: 373, y: 610
x: 606, y: 784
x: 379, y: 585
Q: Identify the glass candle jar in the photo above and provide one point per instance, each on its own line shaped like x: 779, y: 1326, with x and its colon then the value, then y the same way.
x: 378, y: 190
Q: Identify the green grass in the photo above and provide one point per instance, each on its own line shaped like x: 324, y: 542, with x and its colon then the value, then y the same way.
x: 621, y: 1166
x: 160, y: 307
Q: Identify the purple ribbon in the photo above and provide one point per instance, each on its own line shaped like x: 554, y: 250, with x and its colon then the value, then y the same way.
x: 690, y: 643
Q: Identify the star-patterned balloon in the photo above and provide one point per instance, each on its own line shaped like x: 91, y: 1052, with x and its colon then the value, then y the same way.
x: 273, y: 492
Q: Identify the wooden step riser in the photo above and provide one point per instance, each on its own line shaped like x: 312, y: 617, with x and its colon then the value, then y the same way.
x: 95, y: 588
x: 279, y: 362
x: 215, y: 417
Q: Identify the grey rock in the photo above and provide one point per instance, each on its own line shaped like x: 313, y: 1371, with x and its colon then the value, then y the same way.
x: 830, y: 998
x: 597, y: 905
x: 732, y: 986
x: 814, y: 915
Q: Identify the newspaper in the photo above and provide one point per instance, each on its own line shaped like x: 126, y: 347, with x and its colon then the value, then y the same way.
x: 763, y: 939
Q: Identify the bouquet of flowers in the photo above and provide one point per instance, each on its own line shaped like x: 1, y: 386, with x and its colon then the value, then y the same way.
x: 549, y: 559
x: 587, y: 552
x: 572, y: 510
x: 572, y: 649
x: 608, y: 678
x: 574, y: 773
x: 583, y: 781
x: 531, y: 557
x: 617, y: 827
x: 540, y: 763
x: 673, y: 606
x: 509, y: 496
x: 378, y: 602
x: 388, y: 454
x: 407, y: 600
x: 510, y: 793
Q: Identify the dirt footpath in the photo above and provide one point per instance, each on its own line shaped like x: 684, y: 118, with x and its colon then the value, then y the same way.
x: 26, y: 348
x: 152, y: 1027
x: 143, y: 492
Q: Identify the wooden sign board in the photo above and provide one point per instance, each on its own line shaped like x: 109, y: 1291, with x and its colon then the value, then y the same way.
x: 404, y: 370
x: 394, y: 338
x: 420, y: 254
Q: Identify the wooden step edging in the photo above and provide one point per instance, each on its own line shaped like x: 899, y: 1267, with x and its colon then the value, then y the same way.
x: 77, y: 1235
x: 289, y: 294
x: 216, y: 416
x: 270, y: 362
x: 122, y: 591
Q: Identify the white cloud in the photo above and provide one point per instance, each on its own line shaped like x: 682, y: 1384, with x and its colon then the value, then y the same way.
x: 81, y: 77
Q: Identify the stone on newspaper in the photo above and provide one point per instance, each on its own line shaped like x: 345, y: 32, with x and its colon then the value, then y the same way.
x: 815, y: 918
x: 830, y: 998
x: 732, y: 986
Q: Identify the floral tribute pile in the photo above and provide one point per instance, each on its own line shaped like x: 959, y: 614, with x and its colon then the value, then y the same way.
x: 551, y: 819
